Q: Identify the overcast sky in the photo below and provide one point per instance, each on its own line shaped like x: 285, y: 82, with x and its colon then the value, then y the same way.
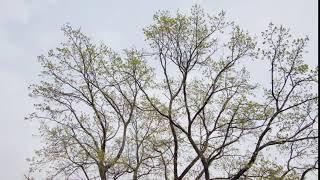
x: 29, y: 28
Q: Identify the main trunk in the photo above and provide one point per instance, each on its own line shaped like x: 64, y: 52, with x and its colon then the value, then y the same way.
x: 102, y: 173
x: 206, y: 169
x: 135, y: 175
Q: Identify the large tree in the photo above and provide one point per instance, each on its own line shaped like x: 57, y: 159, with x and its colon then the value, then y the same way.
x: 185, y: 108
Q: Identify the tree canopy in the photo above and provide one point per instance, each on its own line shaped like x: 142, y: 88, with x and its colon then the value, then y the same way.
x: 184, y: 108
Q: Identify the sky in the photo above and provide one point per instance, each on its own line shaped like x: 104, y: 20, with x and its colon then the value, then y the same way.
x: 29, y: 28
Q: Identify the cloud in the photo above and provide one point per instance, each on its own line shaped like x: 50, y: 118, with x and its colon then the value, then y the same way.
x: 14, y: 10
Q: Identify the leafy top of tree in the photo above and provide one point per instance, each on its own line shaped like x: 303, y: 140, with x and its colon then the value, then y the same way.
x: 186, y: 109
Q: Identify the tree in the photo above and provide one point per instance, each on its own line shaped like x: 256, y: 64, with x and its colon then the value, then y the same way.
x: 87, y: 105
x: 187, y: 108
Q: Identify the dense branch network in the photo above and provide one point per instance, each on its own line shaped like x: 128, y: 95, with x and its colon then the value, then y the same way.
x: 187, y: 109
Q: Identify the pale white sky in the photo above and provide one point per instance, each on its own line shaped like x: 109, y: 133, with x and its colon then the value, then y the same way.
x: 29, y: 28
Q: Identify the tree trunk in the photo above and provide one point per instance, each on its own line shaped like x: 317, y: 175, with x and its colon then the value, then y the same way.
x: 206, y: 170
x: 135, y: 175
x: 102, y: 173
x: 175, y: 152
